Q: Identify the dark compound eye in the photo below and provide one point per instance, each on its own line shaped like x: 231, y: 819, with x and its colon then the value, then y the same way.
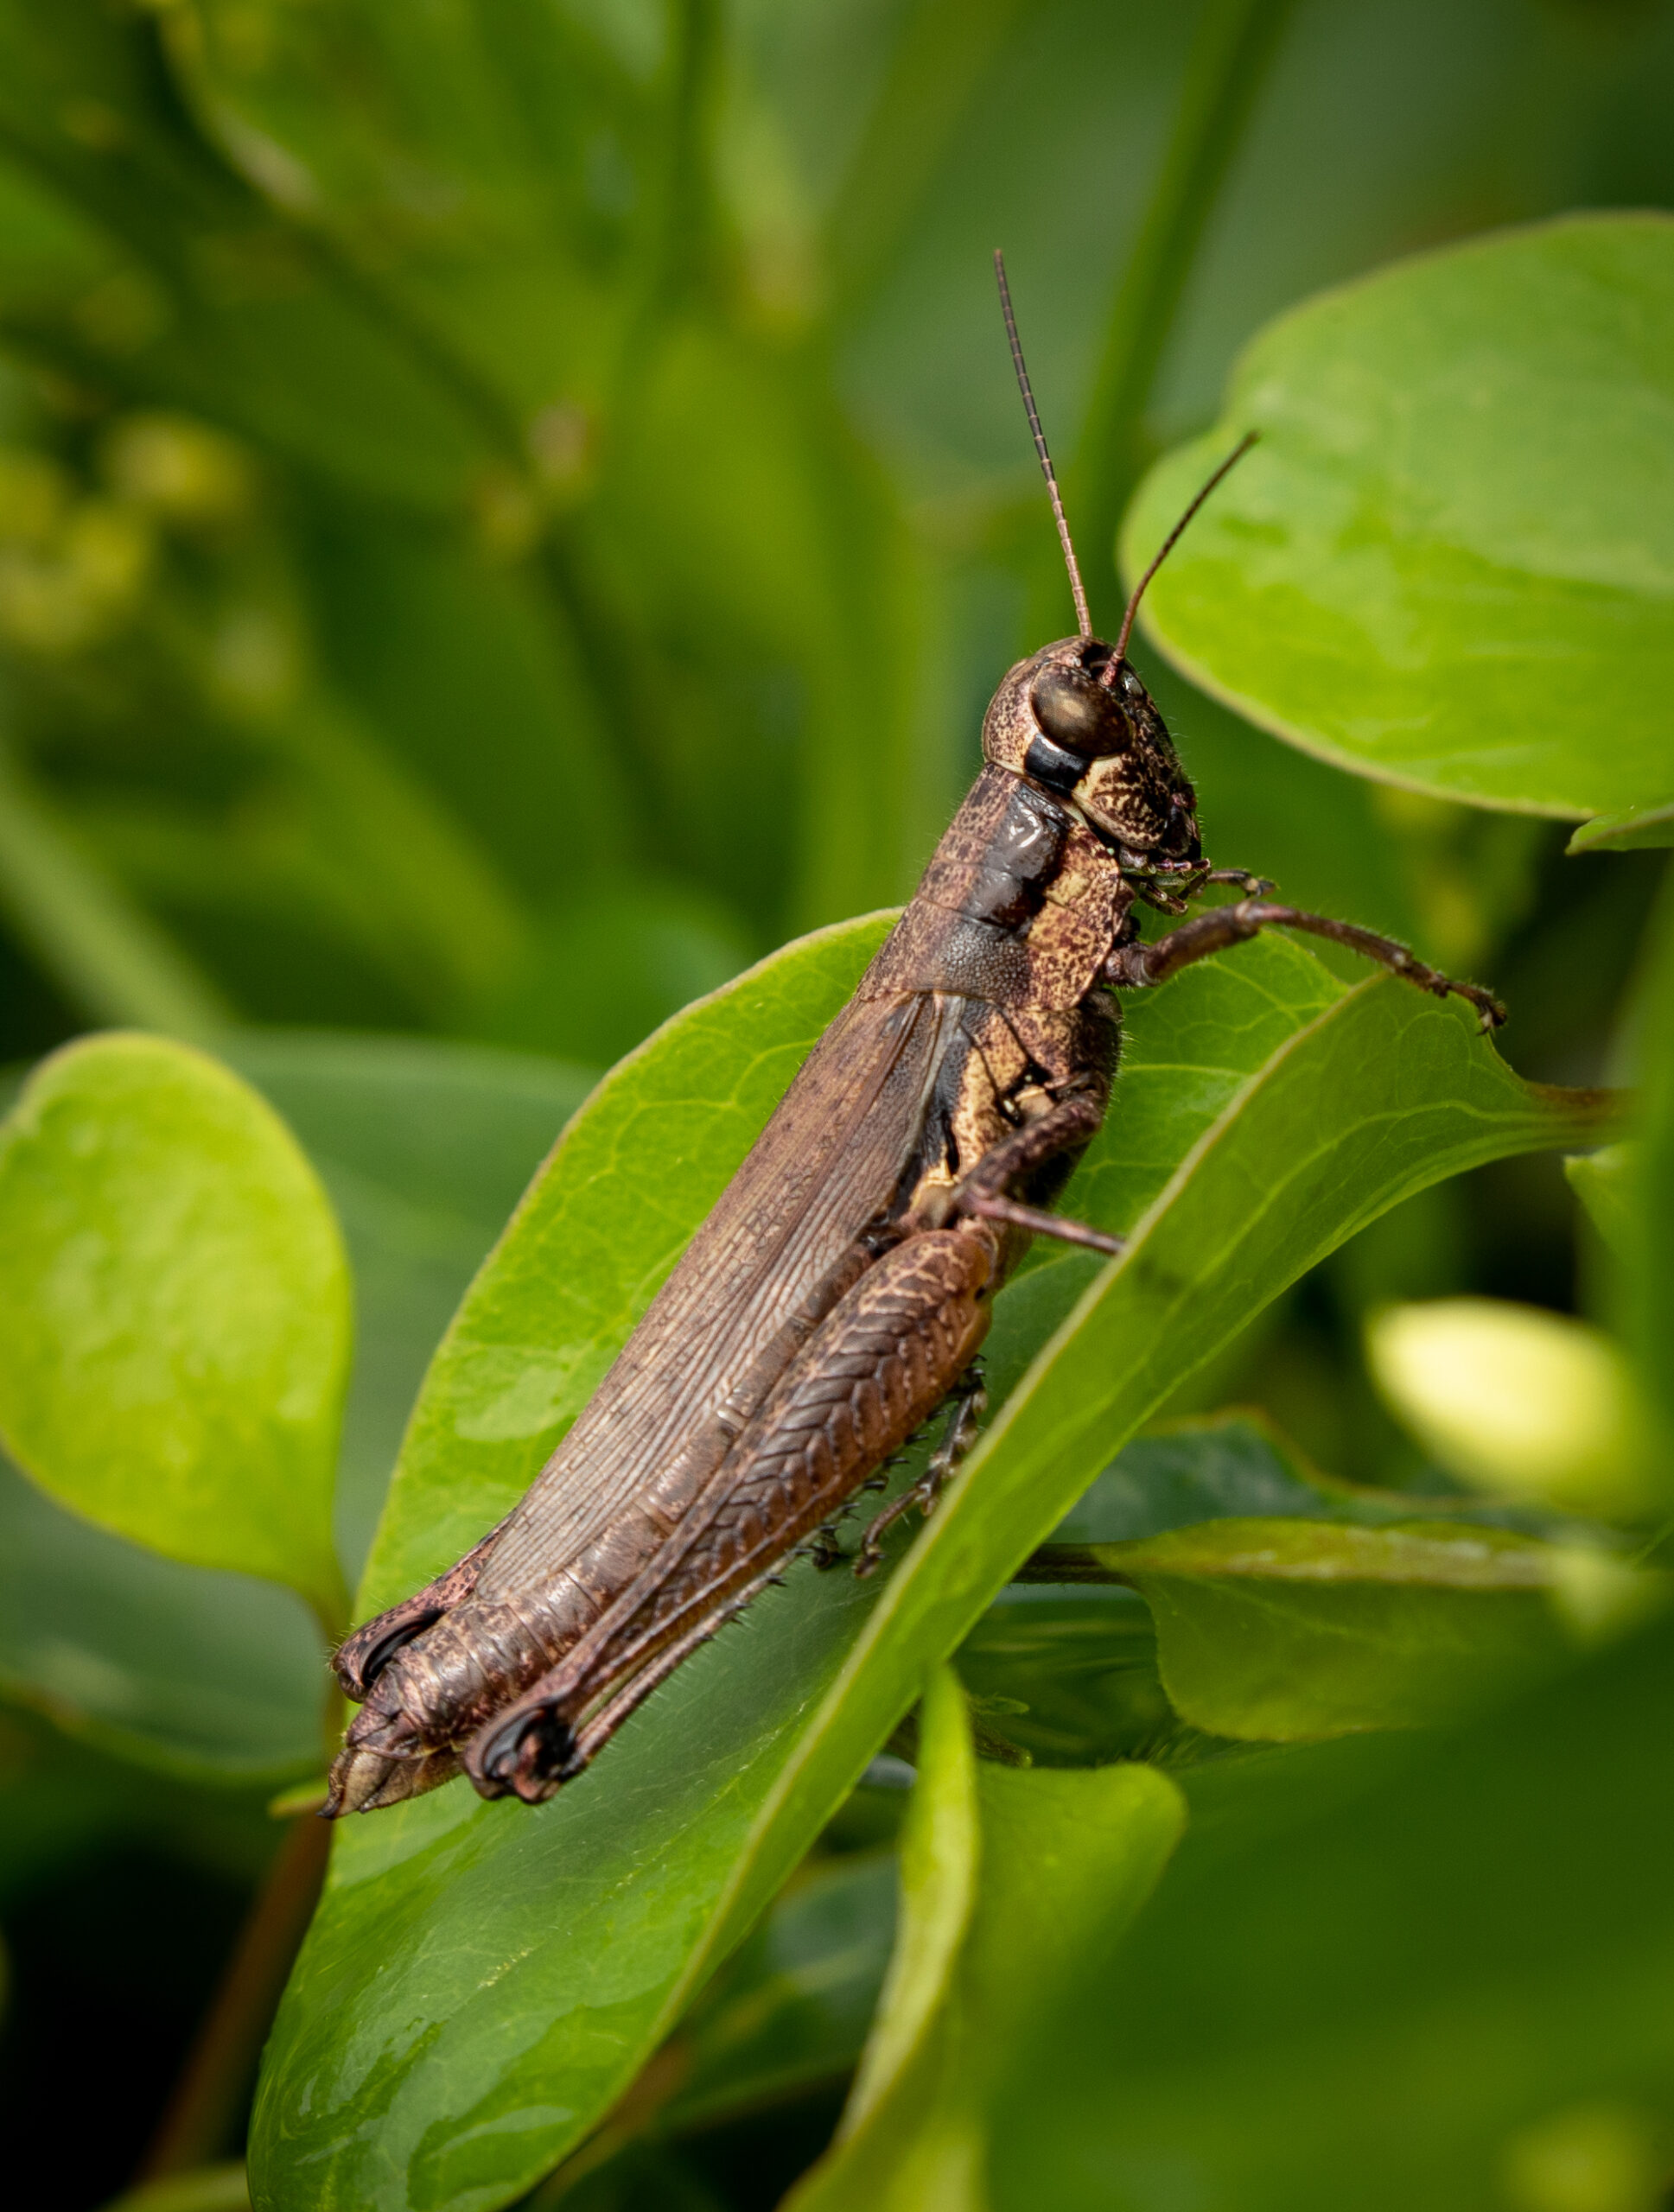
x: 1079, y: 714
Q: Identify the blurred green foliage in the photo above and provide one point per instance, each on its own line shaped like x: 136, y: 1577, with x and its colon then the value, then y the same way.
x: 509, y: 509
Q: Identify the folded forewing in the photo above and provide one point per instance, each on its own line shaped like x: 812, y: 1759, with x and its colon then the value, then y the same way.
x: 828, y: 1163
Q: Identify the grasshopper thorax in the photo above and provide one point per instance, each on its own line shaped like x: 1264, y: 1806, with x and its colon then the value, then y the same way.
x: 1077, y: 719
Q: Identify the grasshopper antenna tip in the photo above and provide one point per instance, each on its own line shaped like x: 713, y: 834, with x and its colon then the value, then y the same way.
x: 1172, y: 539
x: 1083, y: 620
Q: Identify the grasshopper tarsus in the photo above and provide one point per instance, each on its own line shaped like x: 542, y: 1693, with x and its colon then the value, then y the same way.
x: 1038, y: 1223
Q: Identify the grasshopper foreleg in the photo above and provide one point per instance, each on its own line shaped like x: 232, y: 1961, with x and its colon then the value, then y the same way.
x: 1141, y: 965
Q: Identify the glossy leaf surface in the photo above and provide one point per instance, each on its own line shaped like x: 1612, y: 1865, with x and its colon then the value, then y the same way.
x: 1457, y: 574
x: 1264, y: 1113
x: 174, y: 1305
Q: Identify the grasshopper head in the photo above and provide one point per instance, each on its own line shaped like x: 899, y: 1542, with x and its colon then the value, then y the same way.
x: 1076, y: 717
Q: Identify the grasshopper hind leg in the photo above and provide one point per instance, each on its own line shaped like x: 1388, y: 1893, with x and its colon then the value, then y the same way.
x: 968, y: 1403
x: 875, y: 1369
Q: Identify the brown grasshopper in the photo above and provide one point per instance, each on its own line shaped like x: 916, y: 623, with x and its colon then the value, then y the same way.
x: 839, y: 1292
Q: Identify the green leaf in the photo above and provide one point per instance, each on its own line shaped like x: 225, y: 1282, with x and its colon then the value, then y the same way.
x: 794, y: 2005
x: 175, y: 1306
x: 1066, y: 1860
x: 1449, y: 563
x: 1263, y: 1115
x: 1637, y: 828
x: 1603, y: 1181
x: 423, y: 1148
x: 939, y: 1868
x: 1079, y: 1653
x: 1278, y: 1630
x: 1380, y: 1972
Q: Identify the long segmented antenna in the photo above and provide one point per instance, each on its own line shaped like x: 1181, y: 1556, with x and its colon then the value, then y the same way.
x: 1083, y: 620
x: 1172, y: 539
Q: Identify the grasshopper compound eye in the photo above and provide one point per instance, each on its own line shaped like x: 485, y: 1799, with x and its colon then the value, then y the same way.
x: 1077, y: 713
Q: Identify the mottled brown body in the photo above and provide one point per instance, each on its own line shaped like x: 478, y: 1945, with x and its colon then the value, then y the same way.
x: 843, y: 1284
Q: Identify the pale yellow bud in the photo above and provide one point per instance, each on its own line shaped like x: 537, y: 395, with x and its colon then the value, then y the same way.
x: 1518, y: 1401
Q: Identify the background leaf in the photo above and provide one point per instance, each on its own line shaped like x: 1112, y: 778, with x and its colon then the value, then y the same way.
x: 1279, y: 1630
x: 175, y: 1667
x: 1386, y: 579
x: 1378, y: 1968
x: 177, y: 1312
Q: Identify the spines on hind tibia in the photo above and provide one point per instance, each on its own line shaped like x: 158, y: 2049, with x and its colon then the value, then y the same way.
x: 874, y: 1370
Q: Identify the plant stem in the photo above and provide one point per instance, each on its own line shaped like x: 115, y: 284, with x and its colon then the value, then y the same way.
x: 105, y: 954
x: 1235, y: 42
x: 198, y: 2123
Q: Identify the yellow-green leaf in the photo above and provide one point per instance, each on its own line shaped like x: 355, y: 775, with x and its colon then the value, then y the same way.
x: 175, y: 1311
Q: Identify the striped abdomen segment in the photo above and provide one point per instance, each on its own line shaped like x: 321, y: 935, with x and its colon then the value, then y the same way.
x: 874, y: 1370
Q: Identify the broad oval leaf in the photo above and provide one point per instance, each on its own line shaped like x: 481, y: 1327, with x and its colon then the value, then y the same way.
x: 482, y: 1981
x: 423, y: 1147
x: 1449, y: 563
x: 175, y: 1309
